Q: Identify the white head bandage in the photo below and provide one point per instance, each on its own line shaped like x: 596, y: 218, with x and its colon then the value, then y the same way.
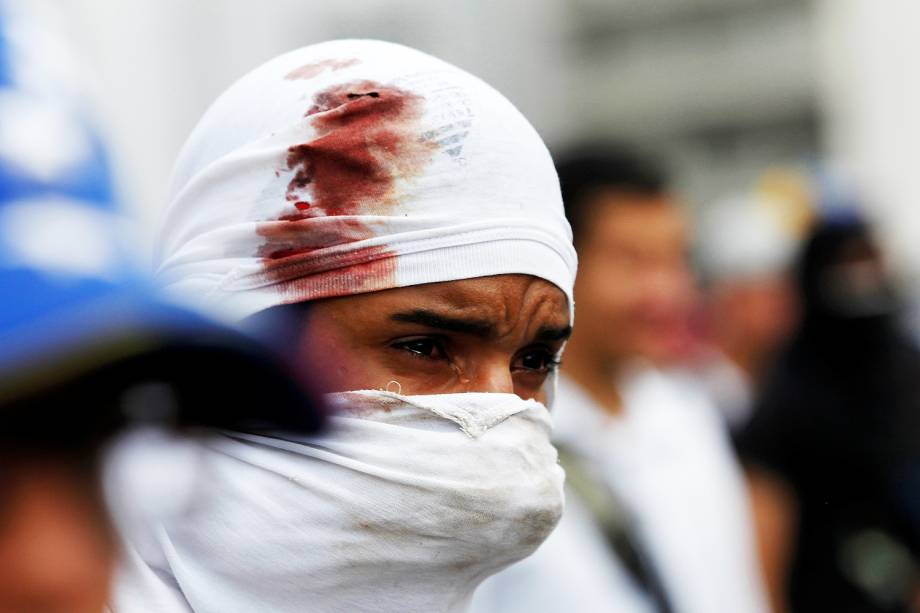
x: 355, y: 166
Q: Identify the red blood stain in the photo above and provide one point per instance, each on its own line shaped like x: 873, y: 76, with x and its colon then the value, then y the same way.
x: 290, y: 259
x: 368, y: 139
x: 296, y: 235
x: 371, y: 269
x: 308, y: 71
x: 368, y: 143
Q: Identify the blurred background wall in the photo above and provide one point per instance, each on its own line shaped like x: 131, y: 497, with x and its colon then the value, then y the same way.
x: 724, y: 90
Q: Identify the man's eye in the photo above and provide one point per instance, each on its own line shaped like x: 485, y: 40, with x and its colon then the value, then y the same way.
x: 539, y: 360
x: 422, y: 347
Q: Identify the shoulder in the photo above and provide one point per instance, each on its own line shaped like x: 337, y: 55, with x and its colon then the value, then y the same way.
x: 672, y: 395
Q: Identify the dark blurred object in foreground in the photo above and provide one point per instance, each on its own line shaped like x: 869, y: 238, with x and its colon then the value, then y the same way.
x: 839, y: 425
x: 87, y: 348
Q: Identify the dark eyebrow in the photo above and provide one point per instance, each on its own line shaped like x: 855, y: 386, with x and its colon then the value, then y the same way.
x: 550, y: 334
x: 430, y: 319
x: 474, y: 327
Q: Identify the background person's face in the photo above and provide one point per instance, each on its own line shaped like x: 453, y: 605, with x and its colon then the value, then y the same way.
x: 489, y: 334
x: 754, y: 316
x: 634, y: 290
x: 56, y: 553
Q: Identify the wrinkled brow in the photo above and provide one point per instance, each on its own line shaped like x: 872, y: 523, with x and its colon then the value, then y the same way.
x: 473, y: 326
x: 430, y: 319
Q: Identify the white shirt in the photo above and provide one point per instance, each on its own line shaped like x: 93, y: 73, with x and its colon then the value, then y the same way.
x: 669, y: 461
x: 729, y: 387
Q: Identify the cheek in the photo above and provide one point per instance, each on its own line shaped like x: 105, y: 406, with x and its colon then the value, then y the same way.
x: 333, y: 364
x: 55, y: 552
x: 417, y: 375
x: 767, y: 315
x: 339, y: 363
x: 605, y: 288
x: 531, y: 386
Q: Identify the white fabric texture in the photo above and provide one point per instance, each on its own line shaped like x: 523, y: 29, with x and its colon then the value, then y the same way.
x: 667, y: 457
x: 406, y: 505
x: 572, y: 571
x: 353, y: 166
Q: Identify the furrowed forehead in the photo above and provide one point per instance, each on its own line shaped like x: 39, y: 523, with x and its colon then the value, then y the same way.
x: 486, y: 307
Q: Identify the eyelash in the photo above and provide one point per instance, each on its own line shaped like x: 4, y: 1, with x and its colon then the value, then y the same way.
x: 551, y: 364
x: 438, y: 346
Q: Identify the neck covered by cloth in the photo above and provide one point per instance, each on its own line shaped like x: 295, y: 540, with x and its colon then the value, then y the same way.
x: 406, y: 505
x: 355, y: 166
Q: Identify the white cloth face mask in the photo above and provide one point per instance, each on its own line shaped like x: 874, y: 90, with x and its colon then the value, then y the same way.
x: 406, y: 504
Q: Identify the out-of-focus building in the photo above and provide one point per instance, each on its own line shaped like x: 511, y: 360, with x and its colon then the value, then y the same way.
x: 721, y: 88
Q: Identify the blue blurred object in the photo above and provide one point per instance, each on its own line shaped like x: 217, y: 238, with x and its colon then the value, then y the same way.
x: 74, y: 311
x: 837, y: 200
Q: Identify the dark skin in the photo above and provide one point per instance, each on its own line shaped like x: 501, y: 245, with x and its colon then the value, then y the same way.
x: 489, y: 334
x: 56, y: 552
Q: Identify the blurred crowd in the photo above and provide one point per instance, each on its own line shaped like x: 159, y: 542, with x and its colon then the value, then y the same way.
x: 741, y: 390
x: 737, y: 408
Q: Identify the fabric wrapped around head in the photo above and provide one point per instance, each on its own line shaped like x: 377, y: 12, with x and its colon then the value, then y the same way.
x: 355, y: 166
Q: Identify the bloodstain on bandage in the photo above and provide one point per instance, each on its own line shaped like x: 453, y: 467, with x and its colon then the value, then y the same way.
x: 287, y: 237
x: 291, y: 258
x: 308, y: 71
x: 367, y: 145
x: 367, y: 142
x: 370, y: 269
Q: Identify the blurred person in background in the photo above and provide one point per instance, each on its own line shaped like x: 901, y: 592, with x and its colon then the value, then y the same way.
x: 656, y: 517
x: 409, y: 218
x: 87, y: 350
x: 745, y: 255
x: 832, y: 449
